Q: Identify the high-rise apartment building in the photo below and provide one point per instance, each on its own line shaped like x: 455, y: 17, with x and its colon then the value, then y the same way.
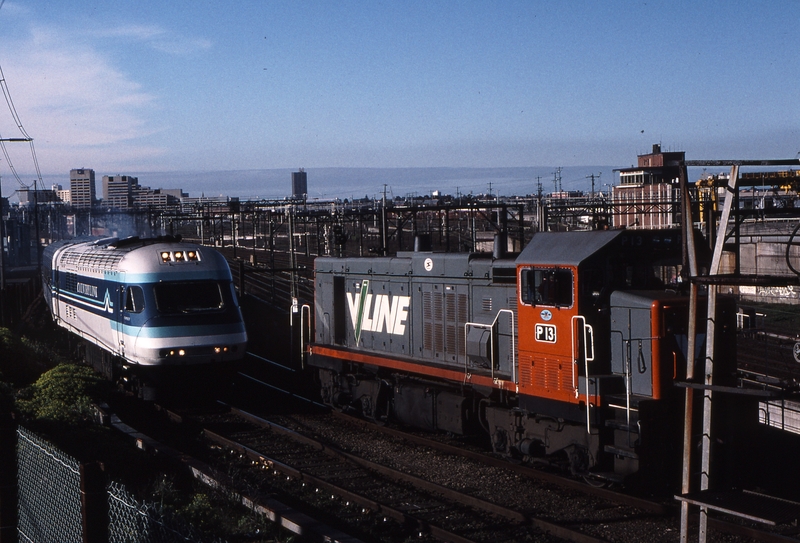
x: 81, y: 188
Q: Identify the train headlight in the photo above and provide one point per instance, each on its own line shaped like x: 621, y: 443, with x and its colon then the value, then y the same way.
x: 191, y: 255
x: 165, y: 256
x: 217, y: 350
x: 181, y: 352
x: 179, y: 256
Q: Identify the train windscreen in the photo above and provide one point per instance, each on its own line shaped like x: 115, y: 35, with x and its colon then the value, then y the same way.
x: 189, y: 297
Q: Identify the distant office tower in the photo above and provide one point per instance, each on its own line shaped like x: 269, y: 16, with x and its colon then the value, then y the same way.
x: 62, y: 194
x: 118, y: 190
x: 81, y: 188
x: 299, y: 184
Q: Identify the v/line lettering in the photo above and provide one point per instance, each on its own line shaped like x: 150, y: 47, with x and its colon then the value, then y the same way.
x: 388, y: 313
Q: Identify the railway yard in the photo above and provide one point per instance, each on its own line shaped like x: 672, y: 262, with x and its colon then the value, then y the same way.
x: 325, y: 475
x: 331, y: 477
x: 538, y: 387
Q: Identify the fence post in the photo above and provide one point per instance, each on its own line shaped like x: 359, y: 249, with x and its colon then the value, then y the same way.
x: 94, y: 503
x: 8, y: 479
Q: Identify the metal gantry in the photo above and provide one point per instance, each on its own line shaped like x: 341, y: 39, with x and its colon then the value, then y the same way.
x: 727, y: 228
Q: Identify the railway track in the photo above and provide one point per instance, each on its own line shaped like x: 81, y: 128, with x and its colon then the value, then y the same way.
x: 633, y: 515
x: 276, y: 283
x: 375, y: 483
x: 273, y: 278
x: 428, y: 508
x: 773, y: 356
x: 376, y: 500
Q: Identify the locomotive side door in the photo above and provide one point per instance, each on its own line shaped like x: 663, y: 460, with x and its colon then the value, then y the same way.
x: 632, y: 340
x: 119, y: 323
x: 132, y: 304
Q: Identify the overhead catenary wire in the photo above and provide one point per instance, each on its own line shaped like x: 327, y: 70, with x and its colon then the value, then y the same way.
x: 18, y: 122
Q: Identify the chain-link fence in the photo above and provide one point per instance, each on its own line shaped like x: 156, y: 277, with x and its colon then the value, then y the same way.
x: 48, y: 492
x: 133, y: 520
x: 51, y: 506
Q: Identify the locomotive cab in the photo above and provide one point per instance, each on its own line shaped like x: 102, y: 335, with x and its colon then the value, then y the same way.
x: 566, y: 281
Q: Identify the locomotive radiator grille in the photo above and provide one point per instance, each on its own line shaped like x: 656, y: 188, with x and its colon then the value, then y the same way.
x: 444, y: 315
x: 450, y: 330
x: 525, y: 370
x: 552, y: 374
x: 438, y: 323
x: 427, y: 317
x: 95, y: 260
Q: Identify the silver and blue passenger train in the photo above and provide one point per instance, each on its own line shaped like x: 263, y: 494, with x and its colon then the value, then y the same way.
x: 145, y: 302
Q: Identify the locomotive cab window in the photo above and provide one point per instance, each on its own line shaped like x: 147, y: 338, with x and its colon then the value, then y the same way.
x: 546, y: 286
x: 188, y: 297
x: 134, y: 299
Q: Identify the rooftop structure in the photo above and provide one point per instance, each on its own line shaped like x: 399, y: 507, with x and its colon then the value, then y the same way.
x: 645, y: 194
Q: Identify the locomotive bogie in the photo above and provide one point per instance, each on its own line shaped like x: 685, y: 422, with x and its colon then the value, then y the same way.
x: 521, y: 433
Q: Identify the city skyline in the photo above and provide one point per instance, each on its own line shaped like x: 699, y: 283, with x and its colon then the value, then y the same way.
x: 201, y: 87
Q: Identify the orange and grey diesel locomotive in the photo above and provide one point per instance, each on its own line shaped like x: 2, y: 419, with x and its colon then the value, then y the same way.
x: 145, y: 302
x: 569, y: 351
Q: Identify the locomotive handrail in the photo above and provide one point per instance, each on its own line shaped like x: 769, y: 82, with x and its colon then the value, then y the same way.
x: 626, y: 371
x: 305, y: 309
x: 627, y: 365
x: 588, y: 339
x: 490, y: 327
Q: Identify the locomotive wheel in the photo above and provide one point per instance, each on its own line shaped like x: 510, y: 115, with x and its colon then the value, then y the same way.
x: 595, y: 482
x: 578, y: 459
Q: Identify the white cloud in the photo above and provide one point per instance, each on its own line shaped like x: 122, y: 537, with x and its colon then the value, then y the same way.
x: 158, y: 38
x: 74, y: 101
x: 137, y: 32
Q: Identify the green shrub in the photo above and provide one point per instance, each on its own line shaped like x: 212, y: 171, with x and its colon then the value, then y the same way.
x: 64, y: 394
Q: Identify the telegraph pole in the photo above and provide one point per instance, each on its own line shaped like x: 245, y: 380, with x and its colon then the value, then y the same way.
x: 592, y: 176
x: 384, y: 225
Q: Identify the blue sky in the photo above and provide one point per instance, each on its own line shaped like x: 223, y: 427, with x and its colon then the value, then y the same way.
x: 154, y: 86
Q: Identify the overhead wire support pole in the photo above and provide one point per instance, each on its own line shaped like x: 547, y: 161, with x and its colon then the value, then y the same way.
x: 690, y: 260
x: 705, y: 452
x: 713, y: 270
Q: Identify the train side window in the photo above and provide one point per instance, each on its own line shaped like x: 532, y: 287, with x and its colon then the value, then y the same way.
x: 134, y: 300
x: 546, y: 286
